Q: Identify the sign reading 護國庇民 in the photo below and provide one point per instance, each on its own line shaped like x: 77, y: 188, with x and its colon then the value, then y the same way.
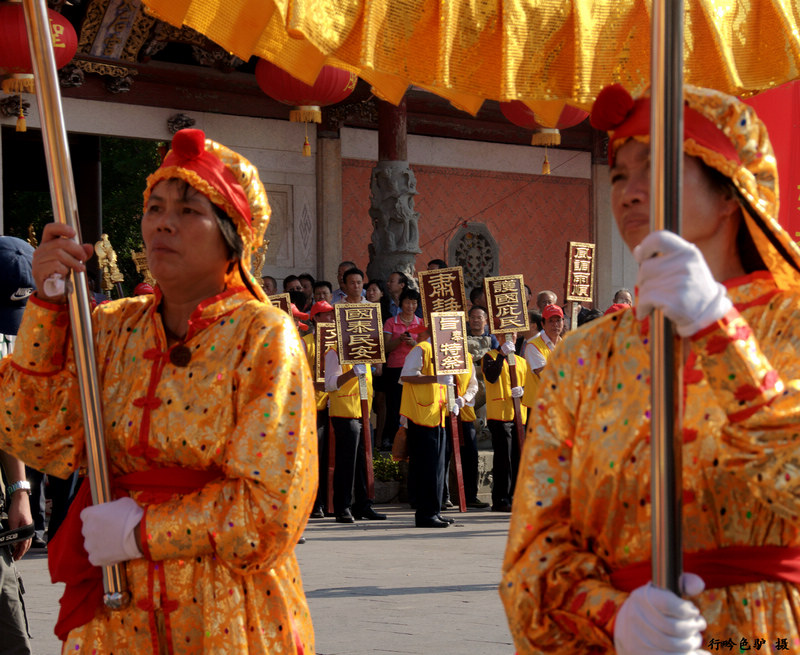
x: 506, y: 302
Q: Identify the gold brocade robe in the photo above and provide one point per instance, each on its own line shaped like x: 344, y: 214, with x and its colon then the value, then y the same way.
x: 223, y: 575
x: 582, y: 502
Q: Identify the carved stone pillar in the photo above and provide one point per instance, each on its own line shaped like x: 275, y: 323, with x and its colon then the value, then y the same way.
x: 395, y: 234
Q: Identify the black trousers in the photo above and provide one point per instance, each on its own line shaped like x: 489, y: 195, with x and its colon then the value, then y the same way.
x: 322, y: 459
x: 469, y: 460
x: 350, y: 474
x: 506, y: 460
x: 426, y: 450
x: 394, y: 393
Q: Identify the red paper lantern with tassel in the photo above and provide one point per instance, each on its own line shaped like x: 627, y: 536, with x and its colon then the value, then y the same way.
x: 331, y: 86
x: 520, y: 114
x: 15, y: 55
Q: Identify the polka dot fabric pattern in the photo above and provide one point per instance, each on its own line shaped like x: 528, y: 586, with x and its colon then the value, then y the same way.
x: 219, y: 573
x: 582, y: 506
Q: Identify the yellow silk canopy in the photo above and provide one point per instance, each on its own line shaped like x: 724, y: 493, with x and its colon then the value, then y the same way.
x: 543, y: 52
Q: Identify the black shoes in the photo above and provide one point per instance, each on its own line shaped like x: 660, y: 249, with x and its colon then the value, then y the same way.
x: 369, y: 514
x: 434, y: 522
x: 39, y: 543
x: 318, y: 513
x: 345, y: 517
x: 501, y: 507
x: 447, y: 505
x: 445, y: 519
x: 477, y: 504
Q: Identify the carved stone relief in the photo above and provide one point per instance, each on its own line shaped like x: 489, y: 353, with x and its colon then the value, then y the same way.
x: 474, y: 249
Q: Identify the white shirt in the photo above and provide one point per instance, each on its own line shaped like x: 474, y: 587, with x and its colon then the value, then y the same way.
x: 333, y: 369
x: 534, y: 358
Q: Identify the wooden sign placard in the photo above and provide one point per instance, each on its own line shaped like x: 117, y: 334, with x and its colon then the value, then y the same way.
x: 281, y: 301
x: 359, y: 333
x: 442, y: 290
x: 506, y: 302
x: 448, y: 334
x: 324, y: 340
x: 580, y: 271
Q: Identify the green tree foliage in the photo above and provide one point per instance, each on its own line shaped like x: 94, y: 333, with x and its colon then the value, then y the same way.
x: 125, y: 163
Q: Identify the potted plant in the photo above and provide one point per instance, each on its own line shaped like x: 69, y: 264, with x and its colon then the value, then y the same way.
x: 387, y: 476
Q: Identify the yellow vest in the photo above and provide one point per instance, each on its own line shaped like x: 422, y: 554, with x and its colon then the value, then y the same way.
x: 424, y: 404
x: 499, y: 404
x: 532, y: 381
x: 462, y: 381
x: 346, y: 400
x: 311, y: 349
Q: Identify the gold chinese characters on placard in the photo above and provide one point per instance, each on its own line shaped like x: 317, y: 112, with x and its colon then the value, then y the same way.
x: 282, y: 301
x: 324, y: 340
x: 506, y: 302
x: 580, y: 271
x: 359, y: 333
x: 448, y: 334
x: 442, y: 290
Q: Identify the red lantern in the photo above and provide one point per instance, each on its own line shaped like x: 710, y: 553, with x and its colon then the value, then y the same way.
x: 15, y: 56
x: 331, y: 86
x: 520, y: 114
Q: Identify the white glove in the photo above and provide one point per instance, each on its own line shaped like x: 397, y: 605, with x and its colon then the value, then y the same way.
x: 655, y: 621
x: 516, y: 392
x: 360, y: 369
x: 458, y: 404
x: 507, y: 348
x: 446, y: 380
x: 674, y: 277
x: 109, y: 531
x: 455, y: 409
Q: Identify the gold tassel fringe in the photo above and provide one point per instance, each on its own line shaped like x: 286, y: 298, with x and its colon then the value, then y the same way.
x: 306, y: 148
x: 19, y: 83
x: 306, y: 114
x: 546, y: 164
x: 546, y: 137
x: 22, y: 126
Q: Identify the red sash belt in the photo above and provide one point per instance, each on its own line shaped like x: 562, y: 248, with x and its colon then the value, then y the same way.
x: 723, y: 567
x: 67, y: 559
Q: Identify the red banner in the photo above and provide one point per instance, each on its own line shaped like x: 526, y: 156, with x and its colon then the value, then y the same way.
x: 779, y: 108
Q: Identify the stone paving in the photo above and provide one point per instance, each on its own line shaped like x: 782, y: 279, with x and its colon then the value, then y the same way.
x: 373, y: 587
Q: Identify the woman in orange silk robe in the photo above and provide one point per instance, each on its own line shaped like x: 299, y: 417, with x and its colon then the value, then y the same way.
x: 580, y: 538
x: 208, y: 413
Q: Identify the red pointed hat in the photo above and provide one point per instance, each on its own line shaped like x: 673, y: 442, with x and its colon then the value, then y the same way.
x: 320, y: 307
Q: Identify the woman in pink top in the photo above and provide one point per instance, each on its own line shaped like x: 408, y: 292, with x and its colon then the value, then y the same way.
x: 400, y: 335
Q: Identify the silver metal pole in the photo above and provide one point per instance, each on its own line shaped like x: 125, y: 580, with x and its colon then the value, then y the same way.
x: 666, y: 169
x: 65, y: 210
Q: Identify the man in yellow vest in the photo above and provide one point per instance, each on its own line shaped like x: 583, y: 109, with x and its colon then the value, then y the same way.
x: 500, y: 419
x: 350, y: 500
x: 321, y: 312
x: 424, y: 404
x: 467, y: 389
x: 539, y: 348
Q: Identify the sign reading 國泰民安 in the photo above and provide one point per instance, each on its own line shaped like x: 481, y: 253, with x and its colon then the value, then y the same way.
x: 359, y: 333
x: 324, y: 340
x: 448, y: 332
x: 580, y: 271
x: 442, y: 290
x: 506, y: 302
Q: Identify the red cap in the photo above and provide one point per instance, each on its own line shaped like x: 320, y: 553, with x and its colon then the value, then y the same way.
x: 296, y: 313
x: 616, y: 307
x: 320, y: 307
x: 552, y: 310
